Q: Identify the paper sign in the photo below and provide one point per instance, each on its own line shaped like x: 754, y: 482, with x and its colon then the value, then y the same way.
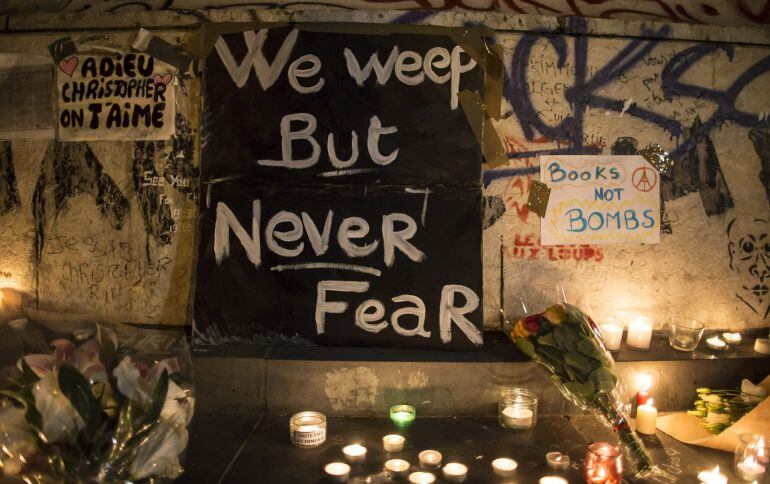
x: 600, y: 200
x: 130, y: 97
x: 26, y: 83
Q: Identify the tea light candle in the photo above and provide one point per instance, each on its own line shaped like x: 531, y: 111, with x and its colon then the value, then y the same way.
x: 337, y: 471
x: 421, y: 478
x: 762, y: 345
x: 402, y: 416
x: 393, y: 443
x: 430, y: 458
x: 397, y: 467
x: 455, y: 472
x: 553, y: 480
x: 712, y: 477
x: 307, y: 429
x: 517, y: 417
x: 504, y: 467
x: 715, y: 343
x: 732, y: 338
x: 557, y: 460
x: 646, y: 417
x: 612, y: 334
x: 639, y: 333
x: 750, y: 470
x: 354, y: 452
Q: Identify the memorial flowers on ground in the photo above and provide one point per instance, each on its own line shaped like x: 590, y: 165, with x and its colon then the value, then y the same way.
x: 94, y: 412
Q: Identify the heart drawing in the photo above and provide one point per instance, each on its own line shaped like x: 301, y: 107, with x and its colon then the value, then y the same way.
x: 68, y: 66
x: 164, y: 79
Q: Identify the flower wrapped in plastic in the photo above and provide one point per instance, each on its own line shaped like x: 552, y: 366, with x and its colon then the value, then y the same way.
x: 114, y: 406
x: 568, y: 344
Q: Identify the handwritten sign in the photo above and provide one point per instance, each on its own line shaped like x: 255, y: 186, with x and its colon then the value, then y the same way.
x: 600, y: 200
x: 341, y: 189
x: 126, y: 97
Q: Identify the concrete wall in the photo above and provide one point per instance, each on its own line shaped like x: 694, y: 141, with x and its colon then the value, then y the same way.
x: 574, y: 85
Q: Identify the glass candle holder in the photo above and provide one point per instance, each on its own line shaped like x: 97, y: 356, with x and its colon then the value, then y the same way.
x: 684, y: 334
x: 752, y: 457
x: 402, y: 416
x: 307, y: 429
x: 604, y: 464
x: 517, y: 408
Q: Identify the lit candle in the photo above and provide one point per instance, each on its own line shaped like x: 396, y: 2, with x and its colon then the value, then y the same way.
x: 646, y: 416
x: 430, y: 458
x: 762, y: 345
x: 421, y: 478
x: 354, y: 452
x: 337, y: 471
x: 712, y: 477
x: 645, y: 383
x: 732, y: 338
x: 612, y: 334
x: 517, y: 417
x: 455, y: 472
x: 750, y: 470
x: 715, y: 343
x: 307, y: 429
x: 393, y: 443
x: 553, y: 480
x: 397, y: 467
x: 557, y: 460
x: 639, y: 333
x: 402, y: 416
x: 504, y: 467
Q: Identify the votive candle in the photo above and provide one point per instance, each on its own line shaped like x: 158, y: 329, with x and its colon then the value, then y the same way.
x: 421, y: 478
x: 553, y: 480
x: 732, y: 338
x: 504, y: 467
x: 430, y: 458
x: 639, y: 333
x: 397, y: 467
x: 402, y: 416
x: 455, y: 472
x: 354, y: 452
x: 612, y: 334
x: 557, y: 460
x: 715, y: 343
x: 646, y: 418
x: 393, y: 443
x: 337, y: 471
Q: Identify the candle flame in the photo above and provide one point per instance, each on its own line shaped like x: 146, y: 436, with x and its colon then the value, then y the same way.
x: 649, y: 402
x: 645, y: 381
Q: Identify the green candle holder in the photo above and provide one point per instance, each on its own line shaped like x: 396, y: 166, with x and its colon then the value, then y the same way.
x: 402, y: 416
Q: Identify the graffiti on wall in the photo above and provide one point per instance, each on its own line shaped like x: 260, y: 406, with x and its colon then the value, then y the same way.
x: 749, y: 251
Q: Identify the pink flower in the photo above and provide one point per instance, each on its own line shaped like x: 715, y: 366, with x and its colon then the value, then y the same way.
x: 84, y: 358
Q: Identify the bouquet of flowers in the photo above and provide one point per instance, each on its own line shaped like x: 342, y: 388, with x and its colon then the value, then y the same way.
x: 720, y: 409
x: 96, y: 410
x: 568, y: 344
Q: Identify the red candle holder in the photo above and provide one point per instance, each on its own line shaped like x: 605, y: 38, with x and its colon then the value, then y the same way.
x: 604, y: 464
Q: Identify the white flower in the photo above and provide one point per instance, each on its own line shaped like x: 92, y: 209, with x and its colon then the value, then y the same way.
x: 752, y: 389
x: 16, y: 440
x: 717, y: 418
x: 158, y: 454
x: 711, y: 398
x: 59, y: 416
x: 84, y: 358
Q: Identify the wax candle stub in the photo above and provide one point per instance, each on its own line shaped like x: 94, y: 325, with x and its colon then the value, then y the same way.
x: 646, y: 418
x: 732, y: 338
x: 354, y: 452
x: 397, y: 467
x: 712, y: 476
x: 393, y: 443
x: 715, y: 343
x: 455, y: 472
x: 337, y: 471
x: 762, y: 345
x: 639, y: 333
x: 504, y: 467
x: 421, y: 478
x: 517, y: 417
x: 430, y: 458
x: 557, y: 460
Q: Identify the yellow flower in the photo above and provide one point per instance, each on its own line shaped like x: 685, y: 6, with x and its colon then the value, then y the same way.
x: 519, y: 330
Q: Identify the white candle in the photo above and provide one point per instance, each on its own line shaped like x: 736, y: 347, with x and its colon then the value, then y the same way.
x: 393, y: 443
x: 455, y: 472
x: 646, y: 416
x: 557, y: 460
x: 430, y: 458
x: 712, y: 477
x: 732, y: 338
x: 639, y: 333
x: 421, y: 478
x: 517, y: 417
x: 397, y: 467
x: 750, y: 470
x: 337, y: 471
x: 613, y: 335
x: 504, y: 467
x: 553, y: 480
x: 715, y: 343
x: 762, y: 345
x: 354, y: 452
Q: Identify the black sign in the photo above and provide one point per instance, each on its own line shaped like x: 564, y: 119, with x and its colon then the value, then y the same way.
x: 341, y: 198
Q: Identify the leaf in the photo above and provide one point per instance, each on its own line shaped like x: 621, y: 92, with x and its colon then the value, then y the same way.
x: 76, y: 388
x: 108, y: 350
x: 27, y: 372
x: 589, y: 348
x: 566, y: 338
x: 14, y: 396
x: 547, y: 340
x: 578, y: 362
x: 583, y: 390
x: 603, y: 379
x: 158, y: 398
x: 525, y: 346
x: 553, y: 354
